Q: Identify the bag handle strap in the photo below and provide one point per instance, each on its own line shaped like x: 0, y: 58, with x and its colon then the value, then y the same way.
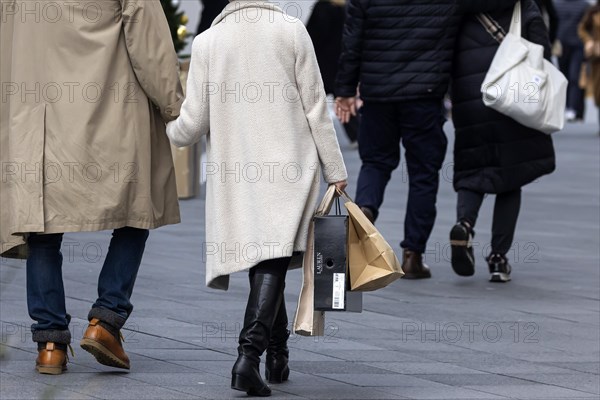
x: 492, y: 27
x: 344, y: 195
x: 495, y: 29
x: 327, y: 202
x: 515, y: 25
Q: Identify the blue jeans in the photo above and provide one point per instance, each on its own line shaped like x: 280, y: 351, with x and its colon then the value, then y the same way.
x: 418, y: 124
x: 45, y: 290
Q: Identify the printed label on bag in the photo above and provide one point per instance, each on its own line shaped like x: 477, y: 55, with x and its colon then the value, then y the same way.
x: 319, y: 264
x: 339, y: 286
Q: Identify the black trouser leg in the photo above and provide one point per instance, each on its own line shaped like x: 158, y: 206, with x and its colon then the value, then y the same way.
x: 468, y: 205
x: 506, y: 213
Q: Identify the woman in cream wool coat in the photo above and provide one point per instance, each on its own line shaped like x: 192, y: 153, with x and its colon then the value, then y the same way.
x: 255, y: 90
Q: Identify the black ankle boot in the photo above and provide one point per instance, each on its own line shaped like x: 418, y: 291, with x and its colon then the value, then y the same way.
x: 276, y: 363
x: 265, y: 292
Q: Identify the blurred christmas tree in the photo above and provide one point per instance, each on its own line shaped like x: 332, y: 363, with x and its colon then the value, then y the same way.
x: 177, y: 21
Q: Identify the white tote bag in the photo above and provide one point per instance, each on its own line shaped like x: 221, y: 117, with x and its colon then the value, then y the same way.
x: 523, y: 85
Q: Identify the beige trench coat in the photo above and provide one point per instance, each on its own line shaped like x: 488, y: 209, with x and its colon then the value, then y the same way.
x: 86, y: 89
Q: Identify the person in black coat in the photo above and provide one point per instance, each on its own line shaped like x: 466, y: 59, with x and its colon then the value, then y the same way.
x: 210, y: 10
x: 493, y: 154
x: 401, y: 53
x: 325, y: 27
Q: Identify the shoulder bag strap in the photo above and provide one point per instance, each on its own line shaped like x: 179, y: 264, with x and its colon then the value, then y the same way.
x: 492, y: 27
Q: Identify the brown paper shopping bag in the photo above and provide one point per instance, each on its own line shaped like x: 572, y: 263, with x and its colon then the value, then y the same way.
x: 307, y: 321
x: 372, y: 262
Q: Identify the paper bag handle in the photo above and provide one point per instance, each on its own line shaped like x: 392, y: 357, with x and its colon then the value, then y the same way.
x: 343, y: 194
x: 327, y: 202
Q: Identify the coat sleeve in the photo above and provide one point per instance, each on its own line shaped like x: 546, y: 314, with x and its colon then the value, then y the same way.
x: 482, y: 6
x: 349, y: 63
x: 554, y: 20
x: 314, y: 102
x: 536, y: 30
x: 193, y: 122
x: 152, y: 54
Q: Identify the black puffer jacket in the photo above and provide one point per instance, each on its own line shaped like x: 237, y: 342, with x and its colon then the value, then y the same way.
x: 492, y: 152
x: 401, y: 50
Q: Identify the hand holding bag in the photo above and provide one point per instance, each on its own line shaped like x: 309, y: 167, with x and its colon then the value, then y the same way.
x: 522, y: 84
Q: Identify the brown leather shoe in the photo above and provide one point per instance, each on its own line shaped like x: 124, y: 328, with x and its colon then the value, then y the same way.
x: 413, y: 266
x: 107, y: 349
x: 368, y: 213
x: 51, y: 360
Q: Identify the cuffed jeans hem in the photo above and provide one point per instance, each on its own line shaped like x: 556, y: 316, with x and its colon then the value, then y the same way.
x: 414, y: 249
x: 107, y: 316
x: 52, y: 335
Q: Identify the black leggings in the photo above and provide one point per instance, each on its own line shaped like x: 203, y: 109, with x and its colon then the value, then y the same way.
x: 506, y: 213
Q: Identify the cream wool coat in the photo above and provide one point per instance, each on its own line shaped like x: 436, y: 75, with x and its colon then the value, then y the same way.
x: 255, y: 89
x: 87, y: 87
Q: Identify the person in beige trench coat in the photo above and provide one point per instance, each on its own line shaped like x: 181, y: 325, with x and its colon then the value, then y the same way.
x: 254, y: 88
x: 87, y: 88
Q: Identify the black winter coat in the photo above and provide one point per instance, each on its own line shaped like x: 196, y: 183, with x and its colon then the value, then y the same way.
x: 211, y: 10
x: 492, y: 152
x: 401, y: 50
x: 325, y: 27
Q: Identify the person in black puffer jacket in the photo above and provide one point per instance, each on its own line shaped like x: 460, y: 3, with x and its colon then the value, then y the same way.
x: 401, y: 53
x: 492, y: 153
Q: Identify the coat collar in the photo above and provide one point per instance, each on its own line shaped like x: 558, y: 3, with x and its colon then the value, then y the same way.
x: 238, y: 5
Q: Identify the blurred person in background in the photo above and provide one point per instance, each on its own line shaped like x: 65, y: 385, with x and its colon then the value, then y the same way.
x: 400, y: 51
x: 493, y: 154
x: 589, y: 32
x: 570, y: 14
x: 326, y: 27
x: 210, y: 10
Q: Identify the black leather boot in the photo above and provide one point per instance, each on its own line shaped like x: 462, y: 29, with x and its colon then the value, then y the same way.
x: 265, y: 292
x: 276, y: 363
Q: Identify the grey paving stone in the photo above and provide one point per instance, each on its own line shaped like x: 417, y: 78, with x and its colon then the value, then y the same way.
x: 588, y: 383
x: 473, y: 379
x: 441, y: 392
x: 591, y: 367
x: 344, y: 392
x: 379, y: 380
x: 423, y: 368
x: 537, y: 391
x: 337, y: 367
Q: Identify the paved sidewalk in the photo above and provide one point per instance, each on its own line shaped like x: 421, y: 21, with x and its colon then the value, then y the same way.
x: 445, y: 338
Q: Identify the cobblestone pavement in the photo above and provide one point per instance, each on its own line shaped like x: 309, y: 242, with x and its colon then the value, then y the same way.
x: 536, y: 337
